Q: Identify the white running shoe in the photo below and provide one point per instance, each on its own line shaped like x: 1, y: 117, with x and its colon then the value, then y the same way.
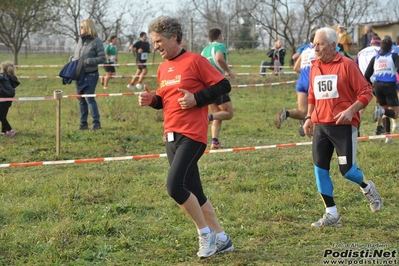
x: 377, y: 112
x: 374, y: 198
x: 328, y: 220
x: 207, y: 245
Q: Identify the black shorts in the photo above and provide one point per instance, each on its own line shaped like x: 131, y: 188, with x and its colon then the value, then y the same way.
x: 225, y: 98
x: 386, y: 93
x: 109, y: 69
x: 141, y: 65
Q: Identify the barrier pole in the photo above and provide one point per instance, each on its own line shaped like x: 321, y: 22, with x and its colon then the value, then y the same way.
x: 58, y: 97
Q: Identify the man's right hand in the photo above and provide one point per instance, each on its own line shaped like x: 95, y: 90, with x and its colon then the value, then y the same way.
x: 145, y: 98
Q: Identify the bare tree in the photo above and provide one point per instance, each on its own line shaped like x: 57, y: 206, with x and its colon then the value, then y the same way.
x: 109, y: 22
x: 351, y: 12
x: 20, y: 18
x: 110, y: 18
x: 288, y: 21
x: 68, y: 25
x: 225, y: 14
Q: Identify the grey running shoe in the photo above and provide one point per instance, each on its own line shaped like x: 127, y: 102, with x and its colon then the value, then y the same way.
x: 374, y: 198
x: 281, y: 116
x: 328, y: 220
x: 300, y: 130
x: 224, y: 246
x: 377, y: 112
x: 388, y: 140
x: 207, y: 245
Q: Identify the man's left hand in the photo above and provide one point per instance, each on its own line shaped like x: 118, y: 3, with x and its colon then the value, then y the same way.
x: 188, y: 99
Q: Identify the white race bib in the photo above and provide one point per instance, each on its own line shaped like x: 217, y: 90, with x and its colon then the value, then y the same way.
x: 144, y: 56
x: 325, y: 87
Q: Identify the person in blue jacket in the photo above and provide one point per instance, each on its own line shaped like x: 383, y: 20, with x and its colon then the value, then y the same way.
x: 8, y: 83
x: 91, y: 49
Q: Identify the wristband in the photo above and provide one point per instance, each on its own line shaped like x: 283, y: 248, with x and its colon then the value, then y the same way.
x: 306, y: 118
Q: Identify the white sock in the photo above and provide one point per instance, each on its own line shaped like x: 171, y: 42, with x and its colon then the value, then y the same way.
x: 222, y: 236
x: 366, y: 189
x: 333, y: 211
x: 204, y: 230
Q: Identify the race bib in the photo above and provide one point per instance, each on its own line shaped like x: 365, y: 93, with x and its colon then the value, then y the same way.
x: 144, y: 56
x: 325, y: 87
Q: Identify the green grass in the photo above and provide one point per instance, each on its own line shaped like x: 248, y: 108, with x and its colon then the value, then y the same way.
x: 118, y: 213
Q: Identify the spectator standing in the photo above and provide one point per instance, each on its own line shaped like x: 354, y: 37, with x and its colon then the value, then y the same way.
x: 142, y: 49
x: 337, y: 92
x: 344, y: 38
x: 8, y: 83
x: 111, y: 52
x: 276, y: 54
x: 91, y: 49
x: 222, y: 108
x: 367, y: 36
x: 187, y: 83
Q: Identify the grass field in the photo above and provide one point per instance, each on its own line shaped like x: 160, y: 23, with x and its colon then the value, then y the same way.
x: 118, y: 213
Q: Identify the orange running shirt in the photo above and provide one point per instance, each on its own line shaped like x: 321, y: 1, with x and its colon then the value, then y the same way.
x: 193, y: 73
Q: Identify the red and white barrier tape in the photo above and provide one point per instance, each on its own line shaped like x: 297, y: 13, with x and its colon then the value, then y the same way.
x: 264, y: 84
x: 130, y: 93
x: 70, y: 96
x: 147, y: 63
x: 151, y: 156
x: 60, y: 66
x: 154, y: 76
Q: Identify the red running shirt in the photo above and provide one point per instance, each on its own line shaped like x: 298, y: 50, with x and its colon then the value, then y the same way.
x: 193, y: 73
x: 349, y: 86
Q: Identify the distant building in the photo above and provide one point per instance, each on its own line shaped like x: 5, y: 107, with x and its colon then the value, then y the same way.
x: 382, y: 28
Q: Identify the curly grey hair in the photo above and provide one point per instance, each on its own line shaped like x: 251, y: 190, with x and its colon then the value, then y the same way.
x: 167, y: 26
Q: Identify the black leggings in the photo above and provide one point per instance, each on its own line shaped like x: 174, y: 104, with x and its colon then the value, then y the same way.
x: 4, y: 106
x: 184, y: 178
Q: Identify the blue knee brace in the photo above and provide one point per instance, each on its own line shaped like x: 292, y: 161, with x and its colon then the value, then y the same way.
x: 355, y: 175
x: 323, y: 181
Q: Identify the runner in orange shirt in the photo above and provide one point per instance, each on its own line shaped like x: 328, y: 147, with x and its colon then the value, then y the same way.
x: 187, y: 84
x: 337, y: 92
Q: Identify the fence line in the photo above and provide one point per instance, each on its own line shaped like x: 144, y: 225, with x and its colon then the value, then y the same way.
x: 147, y: 63
x: 154, y: 76
x: 45, y: 98
x: 160, y: 155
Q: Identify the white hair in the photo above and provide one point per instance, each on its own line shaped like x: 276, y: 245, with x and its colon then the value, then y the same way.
x: 331, y: 36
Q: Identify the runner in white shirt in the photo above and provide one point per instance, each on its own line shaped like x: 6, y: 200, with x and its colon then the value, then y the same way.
x: 363, y: 59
